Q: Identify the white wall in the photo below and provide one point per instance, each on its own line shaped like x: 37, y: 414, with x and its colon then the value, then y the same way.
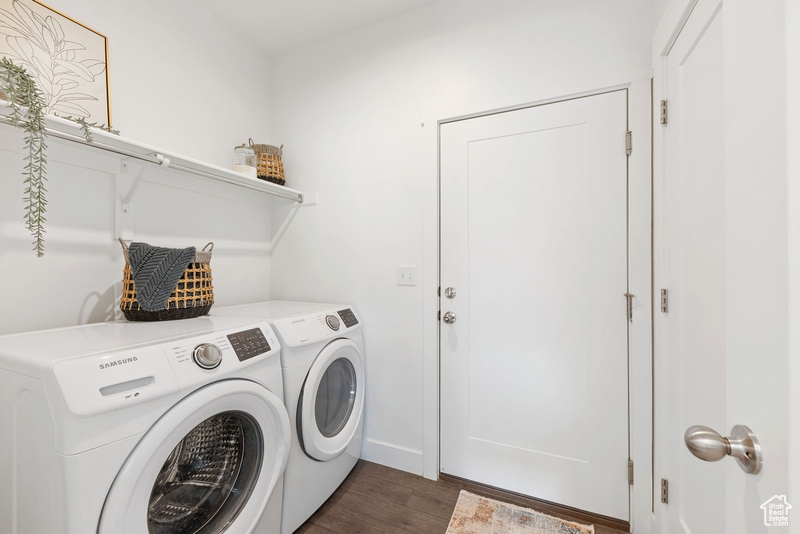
x: 179, y: 82
x: 351, y: 111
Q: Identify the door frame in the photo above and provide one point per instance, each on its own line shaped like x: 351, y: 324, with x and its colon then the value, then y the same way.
x: 640, y: 392
x: 793, y: 182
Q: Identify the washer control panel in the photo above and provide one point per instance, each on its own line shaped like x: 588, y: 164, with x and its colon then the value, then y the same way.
x: 333, y: 322
x: 249, y: 343
x: 349, y: 318
x: 207, y: 355
x: 112, y: 380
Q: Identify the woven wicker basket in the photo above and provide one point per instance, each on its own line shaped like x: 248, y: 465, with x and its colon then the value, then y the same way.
x: 192, y: 297
x: 270, y: 163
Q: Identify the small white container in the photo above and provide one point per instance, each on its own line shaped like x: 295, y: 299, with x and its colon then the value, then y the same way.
x: 244, y: 161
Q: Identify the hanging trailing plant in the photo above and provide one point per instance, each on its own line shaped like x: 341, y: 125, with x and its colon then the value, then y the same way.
x: 86, y: 127
x: 27, y: 113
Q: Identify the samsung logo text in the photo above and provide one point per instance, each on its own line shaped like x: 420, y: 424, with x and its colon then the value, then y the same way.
x: 115, y: 363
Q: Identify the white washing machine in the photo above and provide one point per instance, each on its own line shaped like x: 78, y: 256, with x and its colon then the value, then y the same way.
x: 131, y: 428
x: 322, y: 354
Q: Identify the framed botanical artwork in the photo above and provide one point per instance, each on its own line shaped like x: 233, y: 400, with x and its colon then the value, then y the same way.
x: 68, y: 60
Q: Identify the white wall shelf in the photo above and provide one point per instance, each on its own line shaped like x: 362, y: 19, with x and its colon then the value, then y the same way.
x: 102, y: 140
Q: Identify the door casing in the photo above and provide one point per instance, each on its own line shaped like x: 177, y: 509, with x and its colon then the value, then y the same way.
x: 640, y: 283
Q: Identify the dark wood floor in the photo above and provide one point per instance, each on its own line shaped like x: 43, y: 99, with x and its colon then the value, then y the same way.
x: 376, y: 499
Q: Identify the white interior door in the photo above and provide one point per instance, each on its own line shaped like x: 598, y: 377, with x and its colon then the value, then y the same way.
x: 719, y: 337
x: 534, y: 368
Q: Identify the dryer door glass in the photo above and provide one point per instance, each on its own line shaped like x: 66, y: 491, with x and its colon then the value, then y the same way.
x: 336, y: 395
x: 208, y: 477
x: 331, y: 402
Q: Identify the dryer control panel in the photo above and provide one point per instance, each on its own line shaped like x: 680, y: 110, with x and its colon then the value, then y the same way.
x: 315, y: 327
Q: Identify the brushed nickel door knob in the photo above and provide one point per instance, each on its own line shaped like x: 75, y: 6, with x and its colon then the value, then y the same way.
x: 709, y: 445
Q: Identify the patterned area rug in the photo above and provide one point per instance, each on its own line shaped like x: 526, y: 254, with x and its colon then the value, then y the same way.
x: 480, y: 515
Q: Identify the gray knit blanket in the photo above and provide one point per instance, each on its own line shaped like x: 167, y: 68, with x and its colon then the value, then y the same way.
x: 156, y: 271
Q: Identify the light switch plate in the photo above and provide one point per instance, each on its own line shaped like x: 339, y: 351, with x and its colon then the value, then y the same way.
x: 407, y: 275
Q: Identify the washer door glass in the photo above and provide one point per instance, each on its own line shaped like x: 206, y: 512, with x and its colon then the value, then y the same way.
x: 332, y: 401
x: 208, y: 477
x: 208, y: 465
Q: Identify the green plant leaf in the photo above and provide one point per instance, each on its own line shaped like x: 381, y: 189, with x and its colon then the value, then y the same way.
x: 27, y: 113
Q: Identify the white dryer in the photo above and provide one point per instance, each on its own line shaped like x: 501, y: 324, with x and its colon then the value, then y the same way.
x: 322, y: 354
x: 130, y: 428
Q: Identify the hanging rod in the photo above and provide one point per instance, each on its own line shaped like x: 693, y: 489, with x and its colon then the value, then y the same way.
x: 60, y: 128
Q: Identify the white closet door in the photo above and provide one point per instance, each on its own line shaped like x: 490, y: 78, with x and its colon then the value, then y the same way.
x: 534, y: 392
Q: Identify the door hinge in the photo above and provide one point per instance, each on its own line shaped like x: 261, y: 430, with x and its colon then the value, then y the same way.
x: 628, y: 143
x: 439, y: 315
x: 665, y: 491
x: 664, y: 116
x: 664, y: 300
x: 629, y: 298
x: 630, y: 472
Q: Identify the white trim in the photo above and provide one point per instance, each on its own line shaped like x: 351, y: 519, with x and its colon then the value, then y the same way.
x: 640, y: 284
x: 793, y: 197
x: 430, y: 304
x: 670, y: 26
x: 392, y: 456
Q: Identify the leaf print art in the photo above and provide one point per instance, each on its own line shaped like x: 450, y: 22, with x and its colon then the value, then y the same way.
x: 56, y: 51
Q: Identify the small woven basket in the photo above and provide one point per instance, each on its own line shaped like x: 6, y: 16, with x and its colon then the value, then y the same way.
x: 270, y: 163
x: 192, y: 297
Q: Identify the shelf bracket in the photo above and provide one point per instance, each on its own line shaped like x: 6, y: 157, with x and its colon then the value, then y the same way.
x: 279, y: 233
x: 126, y: 201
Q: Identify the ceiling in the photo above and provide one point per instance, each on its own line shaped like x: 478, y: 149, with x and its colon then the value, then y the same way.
x: 278, y: 26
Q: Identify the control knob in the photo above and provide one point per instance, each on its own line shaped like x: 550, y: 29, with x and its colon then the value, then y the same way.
x: 207, y: 355
x: 333, y: 322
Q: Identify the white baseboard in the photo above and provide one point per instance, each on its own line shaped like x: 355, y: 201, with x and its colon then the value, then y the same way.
x: 392, y: 456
